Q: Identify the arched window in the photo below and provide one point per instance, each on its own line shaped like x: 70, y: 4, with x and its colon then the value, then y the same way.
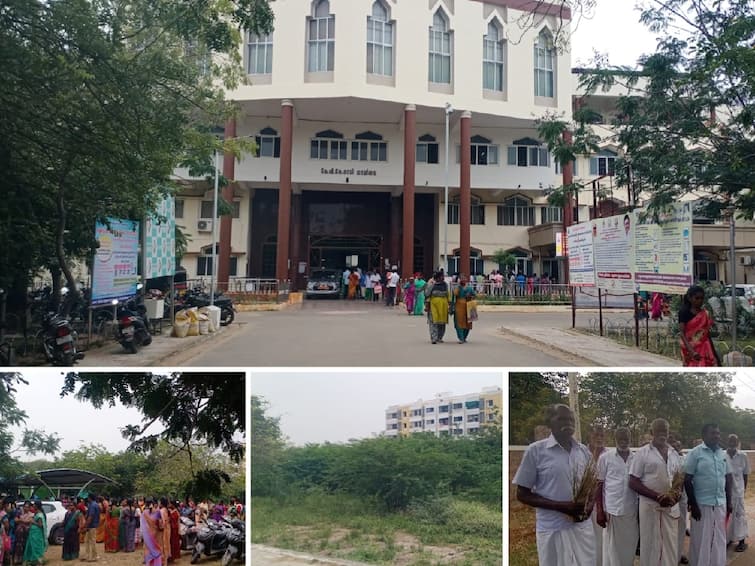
x: 492, y: 58
x: 516, y: 211
x: 379, y: 41
x: 440, y: 50
x: 321, y: 39
x: 544, y: 60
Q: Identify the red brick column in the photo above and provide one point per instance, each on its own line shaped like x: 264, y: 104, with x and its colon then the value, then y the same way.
x: 410, y: 137
x: 229, y: 172
x: 465, y: 197
x: 284, y: 191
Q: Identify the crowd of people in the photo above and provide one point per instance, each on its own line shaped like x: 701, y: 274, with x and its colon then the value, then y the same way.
x: 600, y: 507
x: 123, y: 525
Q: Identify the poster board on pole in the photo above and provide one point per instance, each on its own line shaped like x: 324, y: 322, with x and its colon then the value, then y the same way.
x: 663, y: 250
x: 613, y: 239
x: 160, y: 241
x: 114, y: 271
x: 581, y: 255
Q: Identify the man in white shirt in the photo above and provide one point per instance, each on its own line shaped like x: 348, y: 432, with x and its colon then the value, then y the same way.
x: 651, y: 474
x: 740, y: 469
x: 393, y: 279
x: 545, y: 480
x: 616, y: 504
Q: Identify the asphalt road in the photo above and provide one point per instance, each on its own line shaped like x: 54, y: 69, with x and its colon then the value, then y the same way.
x: 349, y: 334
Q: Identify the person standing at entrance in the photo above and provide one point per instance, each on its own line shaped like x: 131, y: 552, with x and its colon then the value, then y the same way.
x: 345, y: 281
x: 353, y: 284
x: 92, y: 524
x: 740, y: 469
x: 392, y: 280
x: 437, y: 307
x: 368, y: 283
x: 708, y: 485
x: 409, y: 295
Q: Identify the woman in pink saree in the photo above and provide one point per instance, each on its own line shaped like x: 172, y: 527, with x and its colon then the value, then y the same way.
x: 694, y: 330
x: 410, y: 295
x: 152, y: 535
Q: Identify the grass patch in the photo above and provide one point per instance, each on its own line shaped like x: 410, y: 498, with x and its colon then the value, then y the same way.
x: 522, y: 541
x: 347, y: 527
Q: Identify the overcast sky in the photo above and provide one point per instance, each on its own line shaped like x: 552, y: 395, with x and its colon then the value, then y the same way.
x: 75, y: 422
x: 614, y: 29
x: 335, y: 406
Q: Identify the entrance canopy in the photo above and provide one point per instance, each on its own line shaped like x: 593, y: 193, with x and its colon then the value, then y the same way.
x: 57, y: 480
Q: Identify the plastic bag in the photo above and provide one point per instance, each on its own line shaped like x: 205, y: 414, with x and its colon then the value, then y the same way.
x: 472, y: 310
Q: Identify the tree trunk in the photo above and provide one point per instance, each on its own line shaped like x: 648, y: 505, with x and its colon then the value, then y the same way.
x: 73, y: 292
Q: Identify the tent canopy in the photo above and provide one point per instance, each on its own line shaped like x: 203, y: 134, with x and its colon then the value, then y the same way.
x: 57, y: 479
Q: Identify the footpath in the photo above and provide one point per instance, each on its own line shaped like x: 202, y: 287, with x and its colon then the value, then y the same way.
x: 268, y: 556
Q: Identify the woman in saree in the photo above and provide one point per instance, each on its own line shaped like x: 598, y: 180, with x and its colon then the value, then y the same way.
x: 104, y: 514
x: 112, y: 527
x: 23, y: 523
x: 138, y: 509
x: 152, y: 536
x: 437, y: 307
x: 419, y: 294
x: 694, y: 330
x: 165, y: 523
x: 175, y: 537
x: 410, y: 294
x: 353, y: 284
x: 73, y: 523
x: 463, y: 292
x: 36, y: 543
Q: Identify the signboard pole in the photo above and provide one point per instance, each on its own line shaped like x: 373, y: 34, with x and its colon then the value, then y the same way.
x: 600, y: 310
x: 573, y: 308
x: 636, y: 322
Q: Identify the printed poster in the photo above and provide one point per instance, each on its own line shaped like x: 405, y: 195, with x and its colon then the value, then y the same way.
x: 160, y: 241
x: 614, y: 252
x: 114, y: 270
x: 579, y: 240
x: 663, y: 250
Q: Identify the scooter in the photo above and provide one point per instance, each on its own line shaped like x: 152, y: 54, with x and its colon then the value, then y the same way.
x: 212, y: 540
x: 59, y: 339
x: 236, y: 541
x: 133, y: 330
x: 187, y: 530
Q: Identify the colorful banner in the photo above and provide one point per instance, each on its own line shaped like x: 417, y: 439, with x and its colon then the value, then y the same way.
x: 614, y: 252
x: 114, y: 271
x: 160, y: 241
x: 663, y: 250
x: 579, y: 240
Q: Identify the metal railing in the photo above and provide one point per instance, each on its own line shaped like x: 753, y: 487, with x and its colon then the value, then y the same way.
x: 247, y: 290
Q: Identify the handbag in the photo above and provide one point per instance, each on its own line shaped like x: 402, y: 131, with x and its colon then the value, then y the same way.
x: 472, y: 310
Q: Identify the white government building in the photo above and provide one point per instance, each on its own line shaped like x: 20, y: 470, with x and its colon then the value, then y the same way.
x: 348, y: 101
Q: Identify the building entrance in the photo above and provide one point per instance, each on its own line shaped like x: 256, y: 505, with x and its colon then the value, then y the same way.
x: 337, y: 252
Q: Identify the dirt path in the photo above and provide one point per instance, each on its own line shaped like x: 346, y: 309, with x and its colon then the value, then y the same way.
x: 53, y: 558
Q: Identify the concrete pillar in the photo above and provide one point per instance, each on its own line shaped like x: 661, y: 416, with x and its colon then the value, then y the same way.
x: 229, y: 172
x: 410, y: 138
x: 465, y: 196
x: 395, y: 246
x: 284, y: 192
x: 567, y: 178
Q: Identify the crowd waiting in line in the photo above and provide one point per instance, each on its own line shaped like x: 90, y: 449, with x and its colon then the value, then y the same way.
x: 373, y: 285
x: 594, y: 504
x: 123, y: 525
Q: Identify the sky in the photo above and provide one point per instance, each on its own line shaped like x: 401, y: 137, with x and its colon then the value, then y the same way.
x: 334, y: 406
x: 75, y: 422
x: 613, y: 29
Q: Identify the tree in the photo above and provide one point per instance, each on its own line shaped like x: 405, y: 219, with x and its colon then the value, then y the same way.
x: 687, y: 121
x: 102, y: 101
x: 529, y: 394
x: 267, y: 447
x: 504, y: 259
x: 206, y: 408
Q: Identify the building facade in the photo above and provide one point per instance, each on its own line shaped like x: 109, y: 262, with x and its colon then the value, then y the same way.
x: 446, y: 414
x: 348, y: 101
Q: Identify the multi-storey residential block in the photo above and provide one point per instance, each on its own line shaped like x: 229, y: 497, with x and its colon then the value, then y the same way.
x: 446, y: 414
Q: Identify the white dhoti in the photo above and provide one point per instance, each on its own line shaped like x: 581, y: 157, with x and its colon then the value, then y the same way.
x: 682, y: 525
x: 738, y: 522
x: 658, y: 534
x: 568, y: 547
x: 620, y: 540
x: 707, y: 541
x: 598, y: 530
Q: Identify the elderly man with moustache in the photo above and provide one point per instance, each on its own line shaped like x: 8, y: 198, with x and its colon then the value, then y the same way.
x: 708, y: 486
x: 650, y: 475
x: 616, y: 504
x: 545, y: 479
x: 740, y: 469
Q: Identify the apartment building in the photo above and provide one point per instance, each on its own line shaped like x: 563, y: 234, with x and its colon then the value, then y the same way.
x: 446, y: 414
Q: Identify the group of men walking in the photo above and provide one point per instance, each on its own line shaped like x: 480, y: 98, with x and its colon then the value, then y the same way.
x: 640, y: 495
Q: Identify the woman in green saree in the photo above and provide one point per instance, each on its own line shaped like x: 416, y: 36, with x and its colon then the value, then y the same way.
x: 419, y: 294
x: 463, y: 292
x: 36, y: 544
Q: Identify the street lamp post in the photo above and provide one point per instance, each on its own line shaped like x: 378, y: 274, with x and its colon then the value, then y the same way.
x: 449, y: 110
x: 214, y: 272
x: 733, y: 270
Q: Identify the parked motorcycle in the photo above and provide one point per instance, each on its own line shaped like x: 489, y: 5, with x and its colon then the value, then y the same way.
x: 236, y: 542
x: 187, y: 530
x: 198, y: 298
x: 133, y: 327
x: 59, y: 339
x: 212, y: 540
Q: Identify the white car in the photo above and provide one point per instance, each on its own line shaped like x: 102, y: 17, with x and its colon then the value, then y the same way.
x: 745, y: 295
